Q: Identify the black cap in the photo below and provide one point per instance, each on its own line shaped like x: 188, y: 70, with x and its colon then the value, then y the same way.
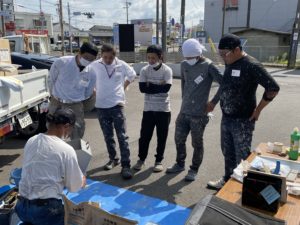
x: 229, y: 41
x: 155, y: 49
x: 89, y: 48
x: 62, y: 116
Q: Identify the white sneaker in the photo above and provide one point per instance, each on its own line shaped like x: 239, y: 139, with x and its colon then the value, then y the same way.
x: 158, y: 167
x: 218, y: 184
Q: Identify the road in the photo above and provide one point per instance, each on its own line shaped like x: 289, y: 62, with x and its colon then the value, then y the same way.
x: 275, y: 124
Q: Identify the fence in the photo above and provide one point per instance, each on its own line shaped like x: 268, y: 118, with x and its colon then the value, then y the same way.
x: 265, y: 54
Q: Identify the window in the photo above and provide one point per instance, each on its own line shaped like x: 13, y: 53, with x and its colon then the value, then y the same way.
x: 231, y: 4
x: 39, y: 23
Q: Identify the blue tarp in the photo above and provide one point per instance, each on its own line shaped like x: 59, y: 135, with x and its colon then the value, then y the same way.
x: 130, y: 205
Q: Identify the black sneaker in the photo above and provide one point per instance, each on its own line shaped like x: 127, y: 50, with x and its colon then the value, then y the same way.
x: 111, y: 164
x: 126, y: 173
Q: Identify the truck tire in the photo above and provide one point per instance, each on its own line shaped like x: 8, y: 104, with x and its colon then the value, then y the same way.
x: 38, y: 124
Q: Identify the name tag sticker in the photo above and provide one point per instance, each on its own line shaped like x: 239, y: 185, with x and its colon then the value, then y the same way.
x: 235, y: 73
x: 270, y: 194
x: 199, y: 79
x: 84, y: 82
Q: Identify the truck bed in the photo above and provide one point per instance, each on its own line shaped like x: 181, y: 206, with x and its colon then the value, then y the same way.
x: 35, y: 91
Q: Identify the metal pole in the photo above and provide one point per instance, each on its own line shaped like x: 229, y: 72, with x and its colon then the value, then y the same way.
x: 61, y: 28
x: 294, y: 39
x: 182, y: 17
x: 164, y: 27
x: 157, y: 21
x: 70, y: 36
x: 127, y: 6
x: 223, y: 19
x: 248, y: 14
x: 3, y: 21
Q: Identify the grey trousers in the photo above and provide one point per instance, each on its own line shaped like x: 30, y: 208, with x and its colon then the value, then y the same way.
x: 184, y: 125
x: 79, y: 128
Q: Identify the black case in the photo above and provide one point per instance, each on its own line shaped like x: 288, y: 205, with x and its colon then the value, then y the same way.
x: 254, y: 183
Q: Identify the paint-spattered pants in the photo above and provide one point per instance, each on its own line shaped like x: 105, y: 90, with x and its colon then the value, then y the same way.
x: 236, y: 138
x: 78, y: 109
x: 110, y: 119
x: 196, y: 125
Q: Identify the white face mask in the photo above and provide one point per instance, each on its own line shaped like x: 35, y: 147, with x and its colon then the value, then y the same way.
x: 84, y: 62
x: 192, y: 62
x: 154, y: 65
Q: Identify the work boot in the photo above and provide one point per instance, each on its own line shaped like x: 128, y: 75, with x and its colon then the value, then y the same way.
x: 111, y: 164
x: 175, y: 169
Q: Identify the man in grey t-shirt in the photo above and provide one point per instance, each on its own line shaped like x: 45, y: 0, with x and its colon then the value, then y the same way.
x: 197, y: 75
x: 155, y: 83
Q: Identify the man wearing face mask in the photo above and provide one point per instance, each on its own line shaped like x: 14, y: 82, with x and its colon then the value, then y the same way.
x: 71, y: 84
x: 112, y: 78
x: 155, y: 83
x: 49, y: 165
x: 197, y: 75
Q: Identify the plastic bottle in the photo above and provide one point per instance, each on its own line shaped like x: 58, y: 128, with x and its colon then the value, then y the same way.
x: 295, y: 139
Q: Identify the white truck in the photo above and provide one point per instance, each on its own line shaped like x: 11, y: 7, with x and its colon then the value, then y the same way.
x: 22, y: 109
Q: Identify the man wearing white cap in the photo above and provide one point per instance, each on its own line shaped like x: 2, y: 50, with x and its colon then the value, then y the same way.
x: 197, y: 75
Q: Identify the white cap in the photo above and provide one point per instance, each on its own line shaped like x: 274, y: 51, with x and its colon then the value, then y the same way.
x: 192, y: 48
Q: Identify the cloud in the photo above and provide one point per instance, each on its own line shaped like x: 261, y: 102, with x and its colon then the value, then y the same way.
x: 108, y: 12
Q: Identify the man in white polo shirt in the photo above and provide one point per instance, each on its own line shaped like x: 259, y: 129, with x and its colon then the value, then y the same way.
x: 112, y: 78
x: 70, y: 84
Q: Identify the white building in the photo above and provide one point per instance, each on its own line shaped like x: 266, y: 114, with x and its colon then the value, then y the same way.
x: 33, y: 23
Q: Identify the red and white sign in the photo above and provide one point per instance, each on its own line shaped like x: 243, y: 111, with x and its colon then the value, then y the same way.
x: 10, y: 26
x: 41, y: 32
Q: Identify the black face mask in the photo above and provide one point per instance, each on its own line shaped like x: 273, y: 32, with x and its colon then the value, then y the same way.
x: 81, y: 68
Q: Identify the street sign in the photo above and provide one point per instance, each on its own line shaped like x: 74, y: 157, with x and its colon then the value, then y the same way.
x: 5, y: 13
x: 76, y: 13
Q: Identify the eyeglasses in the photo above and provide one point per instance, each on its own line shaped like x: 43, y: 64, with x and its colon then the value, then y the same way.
x: 224, y: 53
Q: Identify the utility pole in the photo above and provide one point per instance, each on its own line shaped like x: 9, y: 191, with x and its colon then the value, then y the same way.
x: 41, y: 17
x: 127, y: 4
x: 294, y: 39
x: 223, y: 19
x: 61, y: 28
x: 70, y: 36
x: 182, y: 16
x: 2, y: 20
x: 157, y: 22
x: 248, y: 14
x: 164, y: 27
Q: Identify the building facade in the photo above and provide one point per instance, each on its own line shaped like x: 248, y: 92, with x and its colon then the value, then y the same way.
x: 101, y: 34
x: 273, y: 15
x: 33, y: 23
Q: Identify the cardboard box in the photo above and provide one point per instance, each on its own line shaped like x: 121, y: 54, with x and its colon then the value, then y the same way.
x: 5, y: 56
x: 90, y: 213
x: 83, y: 152
x: 8, y: 70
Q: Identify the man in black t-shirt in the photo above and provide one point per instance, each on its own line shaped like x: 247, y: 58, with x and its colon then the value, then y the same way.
x: 241, y: 77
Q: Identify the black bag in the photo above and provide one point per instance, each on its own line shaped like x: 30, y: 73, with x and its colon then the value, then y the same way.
x: 212, y: 210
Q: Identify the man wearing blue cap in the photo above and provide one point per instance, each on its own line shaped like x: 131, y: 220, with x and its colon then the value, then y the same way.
x: 242, y: 76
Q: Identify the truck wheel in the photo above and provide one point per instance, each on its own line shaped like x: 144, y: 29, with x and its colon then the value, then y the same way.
x: 38, y: 124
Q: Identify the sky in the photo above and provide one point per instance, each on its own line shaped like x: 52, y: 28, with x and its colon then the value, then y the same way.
x: 108, y: 12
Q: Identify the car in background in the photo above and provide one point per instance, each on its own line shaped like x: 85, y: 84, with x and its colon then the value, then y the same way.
x: 137, y: 44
